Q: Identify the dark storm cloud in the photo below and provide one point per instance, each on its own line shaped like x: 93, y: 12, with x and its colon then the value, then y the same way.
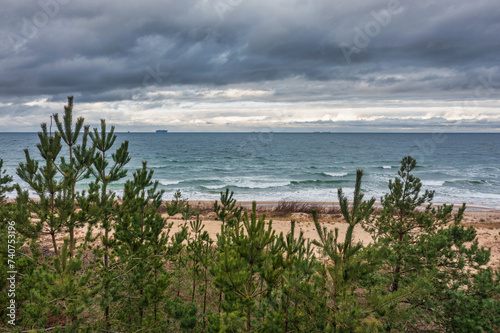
x: 106, y: 51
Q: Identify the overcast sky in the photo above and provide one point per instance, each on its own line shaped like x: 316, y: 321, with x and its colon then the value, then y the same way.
x: 246, y: 65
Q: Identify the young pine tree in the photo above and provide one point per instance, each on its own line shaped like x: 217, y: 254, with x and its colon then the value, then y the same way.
x: 177, y: 204
x: 51, y: 208
x: 55, y: 181
x: 202, y: 255
x: 239, y: 272
x: 346, y: 266
x: 75, y: 168
x: 423, y: 245
x: 103, y: 207
x: 141, y: 245
x: 300, y: 266
x: 5, y: 181
x: 67, y: 287
x: 227, y: 211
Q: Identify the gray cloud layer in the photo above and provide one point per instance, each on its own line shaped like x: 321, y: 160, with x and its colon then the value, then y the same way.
x: 167, y: 55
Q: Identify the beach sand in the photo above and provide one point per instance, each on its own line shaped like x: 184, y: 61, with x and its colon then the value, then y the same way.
x: 486, y: 223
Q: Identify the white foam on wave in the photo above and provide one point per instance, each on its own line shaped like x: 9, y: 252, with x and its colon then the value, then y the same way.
x: 248, y: 184
x: 492, y: 196
x: 169, y: 182
x: 433, y: 182
x: 386, y: 166
x: 212, y: 187
x: 336, y: 174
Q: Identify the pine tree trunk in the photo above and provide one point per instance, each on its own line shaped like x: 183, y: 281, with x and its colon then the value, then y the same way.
x: 220, y: 302
x: 106, y: 264
x: 249, y: 307
x: 397, y: 268
x: 72, y: 228
x: 52, y: 231
x: 249, y: 323
x: 395, y: 282
x: 156, y: 304
x: 71, y: 241
x: 54, y: 244
x: 106, y: 314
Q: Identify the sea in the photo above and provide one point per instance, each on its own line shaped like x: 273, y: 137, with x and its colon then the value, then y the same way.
x: 306, y: 167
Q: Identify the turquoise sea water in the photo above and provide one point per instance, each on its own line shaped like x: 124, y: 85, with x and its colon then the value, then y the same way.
x: 303, y: 166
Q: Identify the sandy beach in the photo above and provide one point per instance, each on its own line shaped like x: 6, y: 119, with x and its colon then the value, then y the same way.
x: 486, y: 223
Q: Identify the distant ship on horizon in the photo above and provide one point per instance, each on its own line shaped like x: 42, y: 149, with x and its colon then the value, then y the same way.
x: 161, y: 131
